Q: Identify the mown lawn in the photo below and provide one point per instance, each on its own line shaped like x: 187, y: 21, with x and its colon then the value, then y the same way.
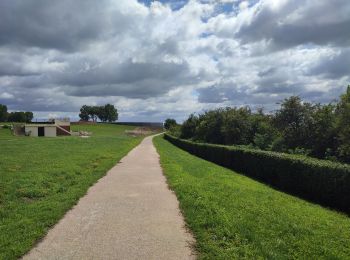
x: 235, y: 217
x: 41, y: 178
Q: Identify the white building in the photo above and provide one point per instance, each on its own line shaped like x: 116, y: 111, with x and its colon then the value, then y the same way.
x: 59, y: 127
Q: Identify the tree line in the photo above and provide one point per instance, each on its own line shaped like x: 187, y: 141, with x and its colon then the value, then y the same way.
x: 23, y: 117
x: 298, y: 127
x: 106, y: 113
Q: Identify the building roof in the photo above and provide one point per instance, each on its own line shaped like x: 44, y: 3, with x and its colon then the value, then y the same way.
x: 40, y: 125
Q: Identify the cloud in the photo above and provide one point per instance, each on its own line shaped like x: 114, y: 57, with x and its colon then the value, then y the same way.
x: 284, y: 24
x: 333, y: 66
x: 168, y: 59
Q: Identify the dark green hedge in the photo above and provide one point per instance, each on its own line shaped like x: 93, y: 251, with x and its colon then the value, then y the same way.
x: 320, y: 181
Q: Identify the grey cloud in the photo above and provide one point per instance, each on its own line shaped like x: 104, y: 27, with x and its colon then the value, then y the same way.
x: 126, y: 72
x: 57, y: 55
x: 223, y: 93
x: 333, y: 67
x: 64, y: 25
x: 13, y: 65
x: 318, y: 22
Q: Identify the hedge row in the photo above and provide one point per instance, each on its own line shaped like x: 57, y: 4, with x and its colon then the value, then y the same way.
x: 320, y: 181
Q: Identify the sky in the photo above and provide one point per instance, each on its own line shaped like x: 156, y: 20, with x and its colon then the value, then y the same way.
x: 167, y: 59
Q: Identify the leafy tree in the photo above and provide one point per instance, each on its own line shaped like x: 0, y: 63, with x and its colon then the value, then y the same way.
x: 188, y: 128
x: 29, y: 116
x: 110, y: 113
x: 236, y: 126
x: 343, y: 126
x: 169, y: 123
x: 323, y: 140
x: 294, y: 121
x: 3, y: 113
x: 105, y: 113
x: 297, y: 127
x: 263, y: 131
x: 209, y: 127
x: 94, y: 112
x: 175, y: 130
x: 20, y: 117
x: 84, y: 113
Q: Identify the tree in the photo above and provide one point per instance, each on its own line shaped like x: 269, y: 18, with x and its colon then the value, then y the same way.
x: 188, y: 128
x: 110, y: 113
x: 169, y: 123
x: 294, y: 121
x: 28, y: 116
x: 343, y: 125
x: 17, y: 117
x: 94, y: 112
x: 263, y: 133
x: 209, y: 126
x: 84, y: 113
x: 323, y: 135
x: 3, y: 113
x: 236, y: 126
x: 105, y: 113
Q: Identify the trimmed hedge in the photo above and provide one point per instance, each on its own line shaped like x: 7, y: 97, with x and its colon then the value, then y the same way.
x: 320, y: 181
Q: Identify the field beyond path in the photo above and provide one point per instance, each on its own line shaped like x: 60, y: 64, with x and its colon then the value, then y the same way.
x: 129, y: 214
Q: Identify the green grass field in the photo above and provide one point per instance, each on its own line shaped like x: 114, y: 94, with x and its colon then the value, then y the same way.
x: 235, y: 217
x: 41, y: 178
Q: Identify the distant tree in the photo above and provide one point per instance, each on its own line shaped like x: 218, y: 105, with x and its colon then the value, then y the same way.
x: 188, y: 128
x: 294, y: 121
x: 28, y: 116
x: 84, y: 113
x: 94, y: 112
x: 110, y: 113
x: 209, y: 127
x: 101, y: 113
x: 17, y: 117
x: 237, y: 126
x: 263, y: 133
x: 343, y: 125
x: 106, y: 113
x: 169, y: 123
x: 3, y: 113
x: 323, y: 137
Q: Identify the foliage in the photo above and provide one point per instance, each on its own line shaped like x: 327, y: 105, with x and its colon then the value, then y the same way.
x: 85, y: 113
x: 320, y: 181
x: 343, y: 126
x: 294, y: 121
x: 235, y: 217
x: 321, y: 131
x: 42, y: 178
x: 21, y: 117
x: 169, y: 123
x: 106, y: 113
x: 188, y: 128
x: 3, y: 113
x: 25, y: 117
x: 175, y: 130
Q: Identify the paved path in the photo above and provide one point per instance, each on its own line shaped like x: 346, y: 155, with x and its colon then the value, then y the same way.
x: 129, y: 214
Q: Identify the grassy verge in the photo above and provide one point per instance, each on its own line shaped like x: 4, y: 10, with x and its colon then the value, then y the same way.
x: 41, y: 178
x: 235, y: 217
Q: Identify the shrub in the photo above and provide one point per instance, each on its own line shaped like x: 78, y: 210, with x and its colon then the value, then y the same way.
x: 320, y: 181
x: 169, y: 123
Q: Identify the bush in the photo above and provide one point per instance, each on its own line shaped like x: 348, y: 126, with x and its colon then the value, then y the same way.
x: 321, y: 181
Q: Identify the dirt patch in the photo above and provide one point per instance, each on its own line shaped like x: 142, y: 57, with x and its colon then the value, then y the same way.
x: 141, y: 131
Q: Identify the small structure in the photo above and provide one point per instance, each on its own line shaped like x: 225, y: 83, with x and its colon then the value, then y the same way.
x: 54, y: 128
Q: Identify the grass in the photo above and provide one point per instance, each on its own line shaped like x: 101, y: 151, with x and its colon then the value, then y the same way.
x: 42, y: 178
x: 235, y: 217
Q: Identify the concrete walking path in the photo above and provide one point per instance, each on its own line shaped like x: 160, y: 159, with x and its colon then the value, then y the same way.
x: 129, y: 214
